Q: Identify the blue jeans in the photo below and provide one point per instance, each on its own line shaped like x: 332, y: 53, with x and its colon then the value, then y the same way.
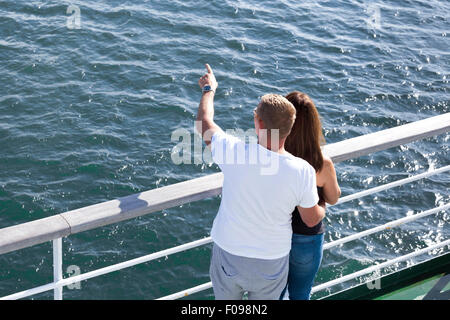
x: 304, y: 262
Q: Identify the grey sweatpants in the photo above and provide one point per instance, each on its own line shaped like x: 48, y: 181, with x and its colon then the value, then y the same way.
x: 233, y: 275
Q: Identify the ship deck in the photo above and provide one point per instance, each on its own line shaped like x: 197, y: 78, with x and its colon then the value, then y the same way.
x: 429, y: 280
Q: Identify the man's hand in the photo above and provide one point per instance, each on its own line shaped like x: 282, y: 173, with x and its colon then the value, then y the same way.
x: 205, y: 124
x: 208, y: 79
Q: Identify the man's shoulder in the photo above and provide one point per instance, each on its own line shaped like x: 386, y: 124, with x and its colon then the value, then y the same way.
x: 300, y: 165
x: 299, y: 162
x: 223, y: 136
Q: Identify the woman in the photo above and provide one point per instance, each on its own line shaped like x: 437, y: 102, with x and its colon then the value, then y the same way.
x: 304, y: 142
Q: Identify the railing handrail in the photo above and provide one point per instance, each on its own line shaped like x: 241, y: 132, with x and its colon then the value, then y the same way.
x: 322, y: 286
x: 60, y: 282
x: 39, y: 231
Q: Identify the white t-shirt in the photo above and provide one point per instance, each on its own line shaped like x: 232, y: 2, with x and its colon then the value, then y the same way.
x: 260, y: 191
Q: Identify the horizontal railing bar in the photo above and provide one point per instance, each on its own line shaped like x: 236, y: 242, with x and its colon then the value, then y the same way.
x: 385, y: 139
x: 136, y: 205
x: 197, y: 243
x: 98, y: 215
x: 31, y: 233
x: 201, y: 242
x: 385, y: 226
x: 208, y: 285
x: 378, y: 266
x: 61, y: 226
x: 108, y: 269
x: 87, y: 218
x: 391, y: 185
x: 188, y: 292
x: 329, y: 245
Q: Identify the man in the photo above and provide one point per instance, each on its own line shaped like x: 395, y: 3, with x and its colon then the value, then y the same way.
x: 252, y: 230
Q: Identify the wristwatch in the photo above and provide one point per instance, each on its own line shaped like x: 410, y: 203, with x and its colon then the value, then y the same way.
x: 207, y: 88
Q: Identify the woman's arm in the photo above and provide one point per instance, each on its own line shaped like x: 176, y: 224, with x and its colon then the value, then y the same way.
x: 327, y: 179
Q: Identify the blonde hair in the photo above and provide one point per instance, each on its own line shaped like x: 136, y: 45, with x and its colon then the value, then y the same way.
x: 277, y: 113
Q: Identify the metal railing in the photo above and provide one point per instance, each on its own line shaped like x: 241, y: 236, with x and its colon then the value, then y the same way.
x: 56, y: 227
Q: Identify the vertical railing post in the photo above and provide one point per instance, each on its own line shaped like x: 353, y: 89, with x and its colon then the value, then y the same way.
x: 57, y: 267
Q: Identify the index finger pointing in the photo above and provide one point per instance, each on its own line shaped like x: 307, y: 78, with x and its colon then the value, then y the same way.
x: 208, y: 68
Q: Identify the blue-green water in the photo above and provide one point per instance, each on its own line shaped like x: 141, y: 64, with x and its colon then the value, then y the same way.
x: 86, y: 115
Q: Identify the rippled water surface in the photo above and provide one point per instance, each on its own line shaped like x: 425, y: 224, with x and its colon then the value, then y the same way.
x: 86, y: 115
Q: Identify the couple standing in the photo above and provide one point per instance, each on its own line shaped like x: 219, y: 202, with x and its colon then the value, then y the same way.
x: 268, y: 233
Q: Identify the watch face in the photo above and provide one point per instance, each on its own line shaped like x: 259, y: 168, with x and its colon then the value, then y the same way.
x: 207, y: 88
